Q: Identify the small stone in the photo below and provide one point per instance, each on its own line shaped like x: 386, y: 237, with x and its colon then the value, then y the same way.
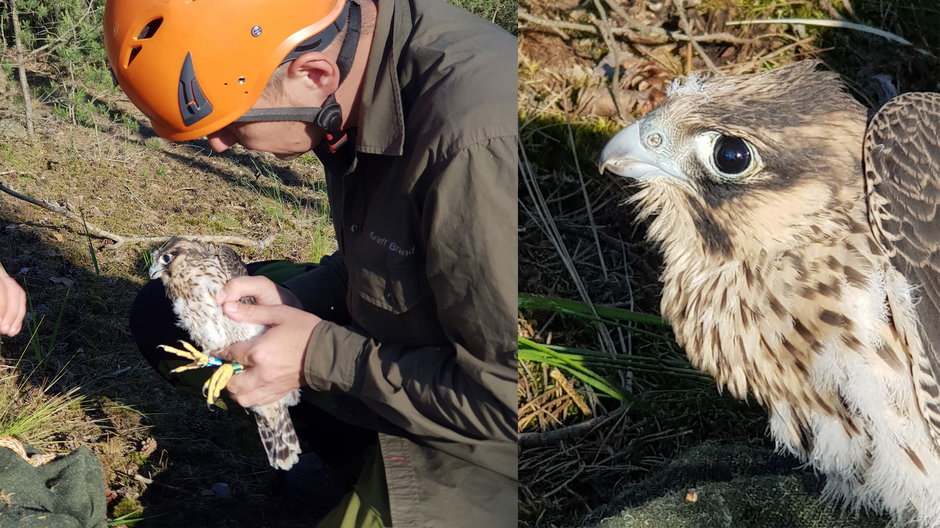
x: 222, y: 491
x: 10, y: 129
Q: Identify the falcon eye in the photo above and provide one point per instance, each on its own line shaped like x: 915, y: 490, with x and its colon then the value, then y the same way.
x: 731, y: 155
x: 165, y: 259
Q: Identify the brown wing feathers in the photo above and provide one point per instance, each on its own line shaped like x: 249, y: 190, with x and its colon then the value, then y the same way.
x: 902, y: 178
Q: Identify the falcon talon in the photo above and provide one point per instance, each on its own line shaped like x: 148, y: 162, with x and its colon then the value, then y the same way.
x: 200, y: 359
x: 220, y: 378
x: 212, y: 388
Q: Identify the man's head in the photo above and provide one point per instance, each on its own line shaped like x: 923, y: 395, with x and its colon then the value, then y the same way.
x: 195, y: 69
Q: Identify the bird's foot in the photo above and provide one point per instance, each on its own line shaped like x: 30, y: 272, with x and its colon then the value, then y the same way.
x: 200, y: 359
x: 219, y: 379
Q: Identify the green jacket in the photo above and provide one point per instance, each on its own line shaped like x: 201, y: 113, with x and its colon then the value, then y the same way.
x: 425, y: 215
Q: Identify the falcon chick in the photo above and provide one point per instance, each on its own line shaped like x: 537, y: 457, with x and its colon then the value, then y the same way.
x: 802, y: 266
x: 192, y: 274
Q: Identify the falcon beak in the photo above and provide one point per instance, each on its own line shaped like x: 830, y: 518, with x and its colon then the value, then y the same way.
x: 156, y: 268
x: 625, y: 155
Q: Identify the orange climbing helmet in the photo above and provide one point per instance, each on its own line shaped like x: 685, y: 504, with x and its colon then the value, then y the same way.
x: 195, y: 66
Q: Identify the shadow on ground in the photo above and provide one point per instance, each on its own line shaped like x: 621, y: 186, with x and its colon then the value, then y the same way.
x: 146, y: 428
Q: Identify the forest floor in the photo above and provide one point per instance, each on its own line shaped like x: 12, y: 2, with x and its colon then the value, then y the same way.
x: 586, y: 69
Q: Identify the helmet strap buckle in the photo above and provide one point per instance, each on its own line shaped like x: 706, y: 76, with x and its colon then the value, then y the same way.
x: 330, y: 120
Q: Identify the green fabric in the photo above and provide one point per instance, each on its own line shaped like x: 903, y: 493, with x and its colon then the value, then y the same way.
x: 65, y: 493
x: 735, y: 487
x: 280, y: 271
x: 425, y: 215
x: 367, y: 505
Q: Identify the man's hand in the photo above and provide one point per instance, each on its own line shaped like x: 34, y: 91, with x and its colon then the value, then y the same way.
x: 12, y: 305
x: 274, y: 362
x: 263, y: 290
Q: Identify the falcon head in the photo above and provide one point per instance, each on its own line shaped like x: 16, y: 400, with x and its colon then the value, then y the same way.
x: 176, y: 253
x: 730, y: 166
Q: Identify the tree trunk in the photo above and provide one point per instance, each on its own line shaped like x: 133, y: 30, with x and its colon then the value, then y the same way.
x: 21, y: 67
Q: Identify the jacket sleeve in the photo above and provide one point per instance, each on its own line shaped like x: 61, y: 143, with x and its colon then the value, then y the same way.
x: 469, y: 394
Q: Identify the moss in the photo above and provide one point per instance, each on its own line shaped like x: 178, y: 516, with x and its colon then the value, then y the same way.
x: 126, y: 506
x: 138, y: 458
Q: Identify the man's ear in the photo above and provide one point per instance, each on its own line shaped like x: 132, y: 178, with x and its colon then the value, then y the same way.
x: 316, y: 72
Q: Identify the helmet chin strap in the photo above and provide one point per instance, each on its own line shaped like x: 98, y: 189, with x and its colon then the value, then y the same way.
x: 328, y: 117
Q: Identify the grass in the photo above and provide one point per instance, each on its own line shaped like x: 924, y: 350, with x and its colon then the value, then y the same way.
x: 35, y: 413
x: 321, y: 241
x: 127, y: 519
x: 91, y: 248
x: 499, y: 12
x: 576, y: 362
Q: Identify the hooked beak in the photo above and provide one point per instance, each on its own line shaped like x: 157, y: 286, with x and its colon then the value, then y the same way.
x: 156, y: 268
x: 624, y: 155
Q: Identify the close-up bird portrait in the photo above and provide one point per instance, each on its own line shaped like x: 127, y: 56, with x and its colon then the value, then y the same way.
x: 801, y: 266
x: 192, y: 274
x: 781, y: 218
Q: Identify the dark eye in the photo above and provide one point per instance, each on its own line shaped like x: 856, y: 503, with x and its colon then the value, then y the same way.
x: 731, y: 155
x: 165, y: 259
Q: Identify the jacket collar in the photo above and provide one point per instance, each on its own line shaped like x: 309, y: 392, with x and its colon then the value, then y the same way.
x: 382, y: 122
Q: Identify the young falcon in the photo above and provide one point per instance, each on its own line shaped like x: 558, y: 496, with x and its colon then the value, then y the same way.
x: 192, y: 274
x: 802, y: 266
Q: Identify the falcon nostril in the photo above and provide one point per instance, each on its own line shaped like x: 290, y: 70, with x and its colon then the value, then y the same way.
x: 654, y: 140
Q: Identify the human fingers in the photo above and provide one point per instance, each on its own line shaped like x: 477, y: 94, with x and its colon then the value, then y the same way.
x: 238, y: 352
x: 273, y: 364
x: 258, y: 313
x: 248, y: 390
x: 20, y: 313
x: 262, y: 289
x: 7, y: 304
x: 12, y: 306
x: 248, y: 387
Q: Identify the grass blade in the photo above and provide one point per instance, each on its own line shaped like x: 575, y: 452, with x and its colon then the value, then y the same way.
x: 91, y: 248
x: 578, y: 309
x: 573, y: 364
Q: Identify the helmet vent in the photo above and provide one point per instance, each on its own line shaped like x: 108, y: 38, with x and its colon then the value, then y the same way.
x: 150, y: 29
x: 134, y: 51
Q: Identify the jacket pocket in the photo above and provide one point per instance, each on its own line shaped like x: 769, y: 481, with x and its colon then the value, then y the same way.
x: 395, y: 289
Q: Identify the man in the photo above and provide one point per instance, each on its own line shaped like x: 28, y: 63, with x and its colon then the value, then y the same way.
x: 409, y: 329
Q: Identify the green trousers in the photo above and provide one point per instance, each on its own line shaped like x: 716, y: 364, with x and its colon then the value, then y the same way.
x: 366, y: 506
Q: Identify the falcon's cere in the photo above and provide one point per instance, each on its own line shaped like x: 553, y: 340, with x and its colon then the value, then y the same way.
x: 192, y: 274
x: 802, y: 266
